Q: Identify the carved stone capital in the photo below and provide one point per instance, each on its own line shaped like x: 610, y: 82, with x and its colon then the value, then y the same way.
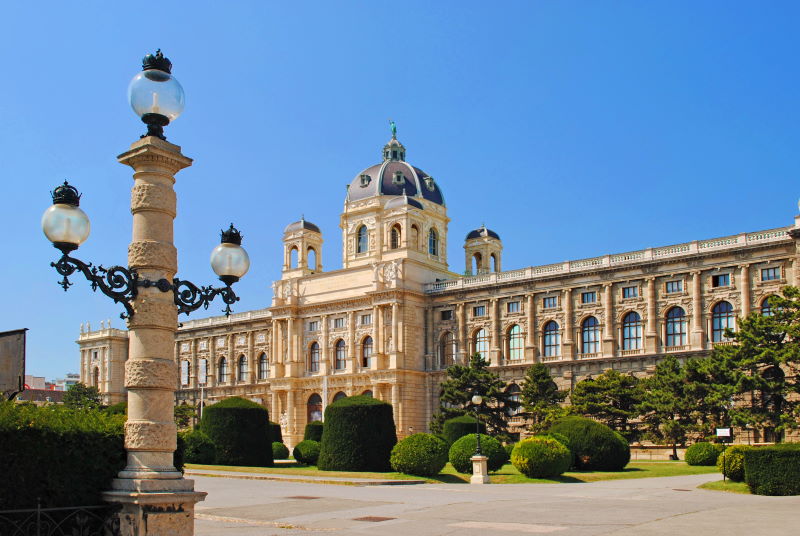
x: 151, y: 374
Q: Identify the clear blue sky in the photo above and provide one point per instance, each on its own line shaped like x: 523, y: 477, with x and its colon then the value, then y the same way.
x: 573, y: 129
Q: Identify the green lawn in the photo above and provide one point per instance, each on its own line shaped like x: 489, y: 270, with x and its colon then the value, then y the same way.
x: 728, y: 485
x: 508, y: 474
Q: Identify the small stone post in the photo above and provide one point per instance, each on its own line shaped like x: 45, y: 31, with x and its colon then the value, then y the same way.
x: 155, y: 498
x: 480, y: 470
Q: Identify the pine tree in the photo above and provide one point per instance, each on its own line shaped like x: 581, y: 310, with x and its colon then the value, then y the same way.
x: 80, y: 396
x: 455, y: 397
x: 541, y: 398
x: 611, y: 398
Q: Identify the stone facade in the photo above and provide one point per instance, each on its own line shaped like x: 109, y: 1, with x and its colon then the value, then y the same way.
x: 394, y: 317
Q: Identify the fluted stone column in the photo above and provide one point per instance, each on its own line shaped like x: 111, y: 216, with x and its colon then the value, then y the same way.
x: 155, y: 497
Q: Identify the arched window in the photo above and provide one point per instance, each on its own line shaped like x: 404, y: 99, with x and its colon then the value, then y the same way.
x: 394, y: 239
x: 368, y: 393
x: 184, y: 372
x: 447, y: 350
x: 293, y: 257
x: 338, y: 396
x: 676, y: 327
x: 366, y: 352
x: 223, y: 370
x: 361, y: 239
x: 514, y: 392
x: 313, y: 357
x: 202, y: 371
x: 721, y: 318
x: 632, y: 331
x: 515, y: 343
x: 314, y: 408
x: 433, y: 242
x: 341, y: 355
x: 263, y: 367
x: 242, y: 369
x: 477, y: 260
x: 312, y: 259
x: 766, y: 308
x: 480, y: 343
x: 552, y: 340
x: 590, y: 336
x: 494, y: 262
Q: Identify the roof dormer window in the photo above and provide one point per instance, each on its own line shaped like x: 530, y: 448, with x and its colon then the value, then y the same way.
x: 365, y: 179
x: 398, y: 179
x: 429, y: 184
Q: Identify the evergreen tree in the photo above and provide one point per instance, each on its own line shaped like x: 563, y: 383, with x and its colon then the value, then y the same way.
x: 667, y: 408
x: 541, y: 398
x: 611, y: 398
x: 80, y: 396
x: 455, y: 397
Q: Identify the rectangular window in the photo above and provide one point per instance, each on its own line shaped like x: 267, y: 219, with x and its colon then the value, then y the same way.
x: 721, y: 280
x: 512, y: 307
x: 480, y: 310
x: 673, y: 286
x: 770, y: 274
x: 589, y: 297
x: 447, y: 315
x: 313, y: 325
x: 203, y: 345
x: 630, y: 292
x: 550, y: 302
x: 338, y: 322
x: 366, y: 320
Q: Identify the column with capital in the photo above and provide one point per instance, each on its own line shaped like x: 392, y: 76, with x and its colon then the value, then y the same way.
x: 651, y: 331
x: 530, y: 340
x: 461, y: 321
x: 569, y: 345
x: 698, y: 324
x: 610, y: 331
x: 744, y: 285
x: 495, y: 353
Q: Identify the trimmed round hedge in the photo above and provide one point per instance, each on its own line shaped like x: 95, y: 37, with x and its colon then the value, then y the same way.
x: 731, y: 462
x: 199, y: 448
x: 541, y: 457
x: 594, y: 445
x: 463, y: 449
x: 457, y: 427
x: 358, y: 435
x: 279, y: 451
x: 306, y: 452
x: 240, y: 431
x: 313, y: 431
x: 702, y: 453
x: 419, y: 454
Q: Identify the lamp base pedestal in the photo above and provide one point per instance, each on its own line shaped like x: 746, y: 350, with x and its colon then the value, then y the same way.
x: 167, y: 511
x: 480, y: 470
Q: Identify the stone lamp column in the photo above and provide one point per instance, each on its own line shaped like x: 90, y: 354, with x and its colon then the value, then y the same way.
x: 155, y: 498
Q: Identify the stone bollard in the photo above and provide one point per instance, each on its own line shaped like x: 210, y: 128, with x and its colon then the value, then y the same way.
x: 480, y: 470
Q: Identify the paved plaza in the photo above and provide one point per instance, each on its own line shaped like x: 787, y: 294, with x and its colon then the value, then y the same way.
x: 658, y: 506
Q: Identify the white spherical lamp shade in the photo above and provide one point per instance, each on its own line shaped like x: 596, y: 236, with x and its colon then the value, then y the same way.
x: 230, y: 261
x: 156, y: 92
x: 477, y: 400
x: 66, y: 224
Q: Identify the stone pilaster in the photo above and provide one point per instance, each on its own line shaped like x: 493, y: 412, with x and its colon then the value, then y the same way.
x: 698, y: 329
x: 744, y: 285
x: 651, y: 331
x: 610, y: 331
x: 155, y: 497
x: 568, y: 344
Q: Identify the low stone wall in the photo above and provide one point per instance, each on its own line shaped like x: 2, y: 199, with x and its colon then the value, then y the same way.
x: 654, y: 453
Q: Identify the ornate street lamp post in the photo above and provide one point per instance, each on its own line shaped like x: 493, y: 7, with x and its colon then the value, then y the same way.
x: 477, y: 400
x: 480, y: 466
x: 155, y: 498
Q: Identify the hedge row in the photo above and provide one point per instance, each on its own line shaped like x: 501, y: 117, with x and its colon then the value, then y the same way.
x: 457, y: 427
x: 773, y: 470
x: 702, y: 453
x: 240, y: 431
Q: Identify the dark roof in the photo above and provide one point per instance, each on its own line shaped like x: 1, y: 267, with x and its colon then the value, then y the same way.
x: 416, y: 183
x: 301, y: 224
x: 401, y: 201
x: 482, y: 231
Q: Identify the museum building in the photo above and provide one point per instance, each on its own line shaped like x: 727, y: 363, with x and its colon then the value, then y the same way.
x: 393, y: 317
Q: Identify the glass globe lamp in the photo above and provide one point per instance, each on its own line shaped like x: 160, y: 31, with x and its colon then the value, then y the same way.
x: 64, y: 223
x: 155, y: 95
x: 477, y: 400
x: 229, y: 260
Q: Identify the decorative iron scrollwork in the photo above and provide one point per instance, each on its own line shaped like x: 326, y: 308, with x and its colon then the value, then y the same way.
x: 189, y: 297
x: 117, y: 282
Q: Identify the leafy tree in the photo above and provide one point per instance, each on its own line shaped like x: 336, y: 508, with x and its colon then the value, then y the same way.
x: 80, y: 396
x: 667, y: 409
x: 455, y: 397
x: 184, y: 414
x: 611, y: 398
x: 541, y: 398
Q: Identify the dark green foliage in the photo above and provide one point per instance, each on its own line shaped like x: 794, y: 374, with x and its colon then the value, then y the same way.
x: 455, y: 397
x: 240, y: 432
x: 419, y: 454
x: 120, y: 408
x: 306, y: 452
x: 199, y: 448
x: 358, y: 435
x: 279, y: 451
x: 509, y: 447
x: 773, y: 470
x: 458, y: 427
x: 731, y: 462
x: 702, y: 453
x: 313, y: 431
x: 594, y: 446
x: 541, y: 398
x: 561, y: 438
x: 611, y: 398
x: 179, y: 456
x: 63, y: 456
x: 80, y: 396
x: 541, y: 457
x: 275, y: 429
x: 462, y: 450
x: 184, y: 414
